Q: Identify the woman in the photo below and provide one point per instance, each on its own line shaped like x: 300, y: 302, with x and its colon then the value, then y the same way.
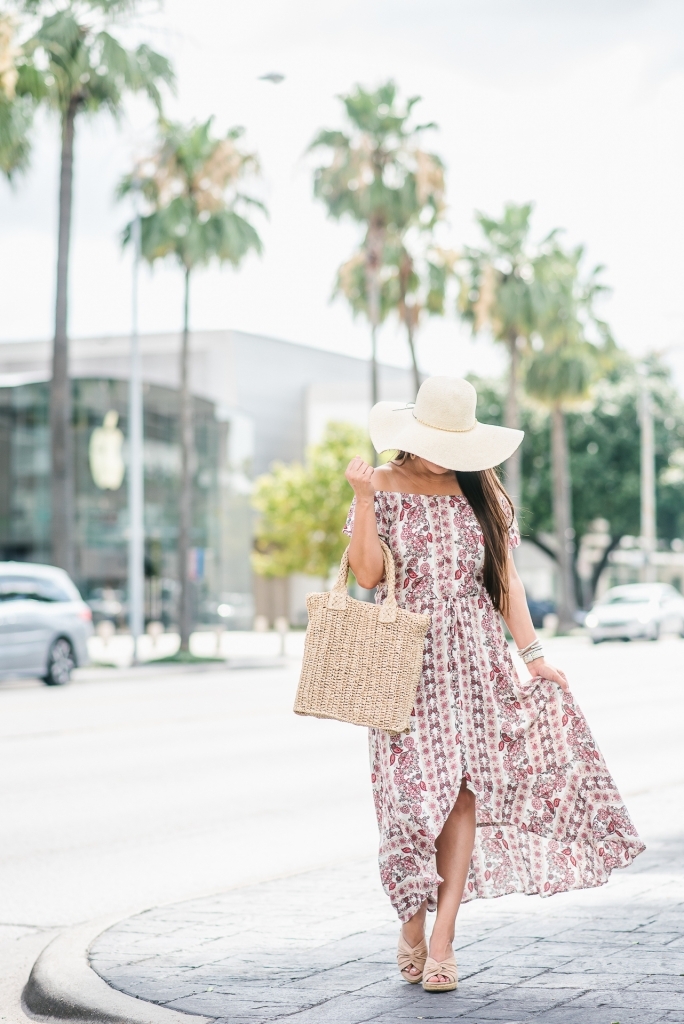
x: 499, y: 787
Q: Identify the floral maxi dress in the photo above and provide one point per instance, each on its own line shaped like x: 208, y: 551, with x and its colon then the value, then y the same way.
x: 549, y: 816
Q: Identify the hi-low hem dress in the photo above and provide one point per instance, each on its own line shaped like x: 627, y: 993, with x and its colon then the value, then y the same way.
x: 549, y: 816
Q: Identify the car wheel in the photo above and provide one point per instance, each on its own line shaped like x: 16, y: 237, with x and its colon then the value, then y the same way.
x: 654, y: 632
x: 597, y: 639
x: 60, y: 663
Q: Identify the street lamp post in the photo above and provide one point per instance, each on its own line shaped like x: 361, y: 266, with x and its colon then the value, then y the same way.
x: 136, y: 524
x: 648, y: 492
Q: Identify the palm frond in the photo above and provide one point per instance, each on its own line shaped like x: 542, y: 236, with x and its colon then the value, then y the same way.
x: 332, y: 139
x: 195, y: 212
x: 31, y: 82
x: 16, y: 117
x: 241, y: 197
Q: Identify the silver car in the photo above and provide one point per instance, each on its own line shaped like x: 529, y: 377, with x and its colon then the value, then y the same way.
x: 44, y: 623
x: 636, y: 610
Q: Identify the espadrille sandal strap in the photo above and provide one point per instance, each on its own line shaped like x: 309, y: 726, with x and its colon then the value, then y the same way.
x: 411, y: 956
x: 446, y: 968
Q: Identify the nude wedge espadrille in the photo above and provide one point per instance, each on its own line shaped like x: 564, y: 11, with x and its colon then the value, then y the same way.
x: 411, y: 956
x: 447, y: 968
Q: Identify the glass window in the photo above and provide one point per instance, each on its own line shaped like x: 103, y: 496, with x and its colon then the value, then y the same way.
x: 631, y: 597
x: 222, y: 516
x: 29, y: 588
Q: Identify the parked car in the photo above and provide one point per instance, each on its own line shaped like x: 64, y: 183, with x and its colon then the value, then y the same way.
x: 44, y: 624
x: 636, y: 610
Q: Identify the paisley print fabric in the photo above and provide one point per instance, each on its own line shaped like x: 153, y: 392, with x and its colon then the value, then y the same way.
x: 549, y: 817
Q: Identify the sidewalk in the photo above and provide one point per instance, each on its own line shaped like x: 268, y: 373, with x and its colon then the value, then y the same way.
x: 319, y: 947
x: 233, y: 645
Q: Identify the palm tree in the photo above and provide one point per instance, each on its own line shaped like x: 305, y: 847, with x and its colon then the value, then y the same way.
x: 560, y: 376
x: 500, y: 293
x: 190, y: 184
x: 15, y: 112
x: 419, y: 285
x: 72, y: 65
x: 407, y: 286
x: 379, y: 177
x: 351, y: 283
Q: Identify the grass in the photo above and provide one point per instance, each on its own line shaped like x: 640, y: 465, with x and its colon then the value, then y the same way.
x: 182, y: 658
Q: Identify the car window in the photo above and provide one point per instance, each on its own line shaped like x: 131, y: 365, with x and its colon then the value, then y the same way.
x: 636, y: 597
x: 30, y: 588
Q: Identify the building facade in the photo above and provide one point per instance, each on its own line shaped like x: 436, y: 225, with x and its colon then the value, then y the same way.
x: 256, y: 400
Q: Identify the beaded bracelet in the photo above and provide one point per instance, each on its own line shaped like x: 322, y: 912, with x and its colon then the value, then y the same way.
x: 531, y: 652
x: 524, y: 650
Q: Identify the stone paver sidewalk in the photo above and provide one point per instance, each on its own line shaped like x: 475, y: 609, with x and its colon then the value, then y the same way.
x: 320, y: 947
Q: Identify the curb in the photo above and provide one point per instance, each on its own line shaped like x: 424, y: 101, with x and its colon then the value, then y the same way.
x: 62, y: 986
x: 153, y: 670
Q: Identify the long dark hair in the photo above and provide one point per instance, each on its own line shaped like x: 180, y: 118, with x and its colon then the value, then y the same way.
x: 494, y: 512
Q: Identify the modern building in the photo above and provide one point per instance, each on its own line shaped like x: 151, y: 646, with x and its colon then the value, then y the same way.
x: 256, y: 400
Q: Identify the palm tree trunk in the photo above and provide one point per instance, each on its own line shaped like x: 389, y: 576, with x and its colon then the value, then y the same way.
x: 374, y: 363
x: 61, y: 477
x: 414, y: 361
x: 187, y: 457
x: 512, y: 419
x: 374, y: 246
x: 562, y: 517
x: 373, y: 298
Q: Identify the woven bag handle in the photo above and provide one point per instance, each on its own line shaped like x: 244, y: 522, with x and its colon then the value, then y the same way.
x: 338, y: 594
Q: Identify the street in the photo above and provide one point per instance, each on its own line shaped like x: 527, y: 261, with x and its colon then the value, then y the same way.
x: 127, y: 790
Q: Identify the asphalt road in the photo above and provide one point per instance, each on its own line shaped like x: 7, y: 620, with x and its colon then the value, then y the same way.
x: 124, y: 791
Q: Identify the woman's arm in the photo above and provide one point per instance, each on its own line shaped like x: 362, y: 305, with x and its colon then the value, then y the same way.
x: 519, y: 622
x: 365, y: 553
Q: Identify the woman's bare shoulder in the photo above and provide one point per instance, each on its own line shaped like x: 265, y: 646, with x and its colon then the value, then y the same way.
x: 387, y: 478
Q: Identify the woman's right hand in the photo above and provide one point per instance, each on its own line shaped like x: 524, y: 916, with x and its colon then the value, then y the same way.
x: 360, y: 476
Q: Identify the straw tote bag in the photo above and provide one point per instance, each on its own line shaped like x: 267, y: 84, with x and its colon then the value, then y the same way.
x: 362, y: 661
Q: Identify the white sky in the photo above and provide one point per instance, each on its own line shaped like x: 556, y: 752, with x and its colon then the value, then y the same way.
x: 576, y: 105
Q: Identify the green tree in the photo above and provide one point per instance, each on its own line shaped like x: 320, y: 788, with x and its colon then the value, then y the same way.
x: 410, y: 287
x: 560, y: 376
x: 380, y: 177
x: 15, y: 111
x: 351, y: 283
x: 73, y: 64
x: 499, y: 293
x: 197, y: 213
x: 302, y: 508
x: 604, y: 445
x: 418, y: 287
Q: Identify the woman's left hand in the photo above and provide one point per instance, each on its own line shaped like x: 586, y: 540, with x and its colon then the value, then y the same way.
x: 539, y: 667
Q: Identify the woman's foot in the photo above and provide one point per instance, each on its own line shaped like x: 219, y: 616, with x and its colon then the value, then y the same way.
x: 412, y: 950
x: 439, y: 952
x: 440, y: 972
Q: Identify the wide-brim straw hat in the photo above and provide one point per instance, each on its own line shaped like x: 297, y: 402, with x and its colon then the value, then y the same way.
x: 442, y: 427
